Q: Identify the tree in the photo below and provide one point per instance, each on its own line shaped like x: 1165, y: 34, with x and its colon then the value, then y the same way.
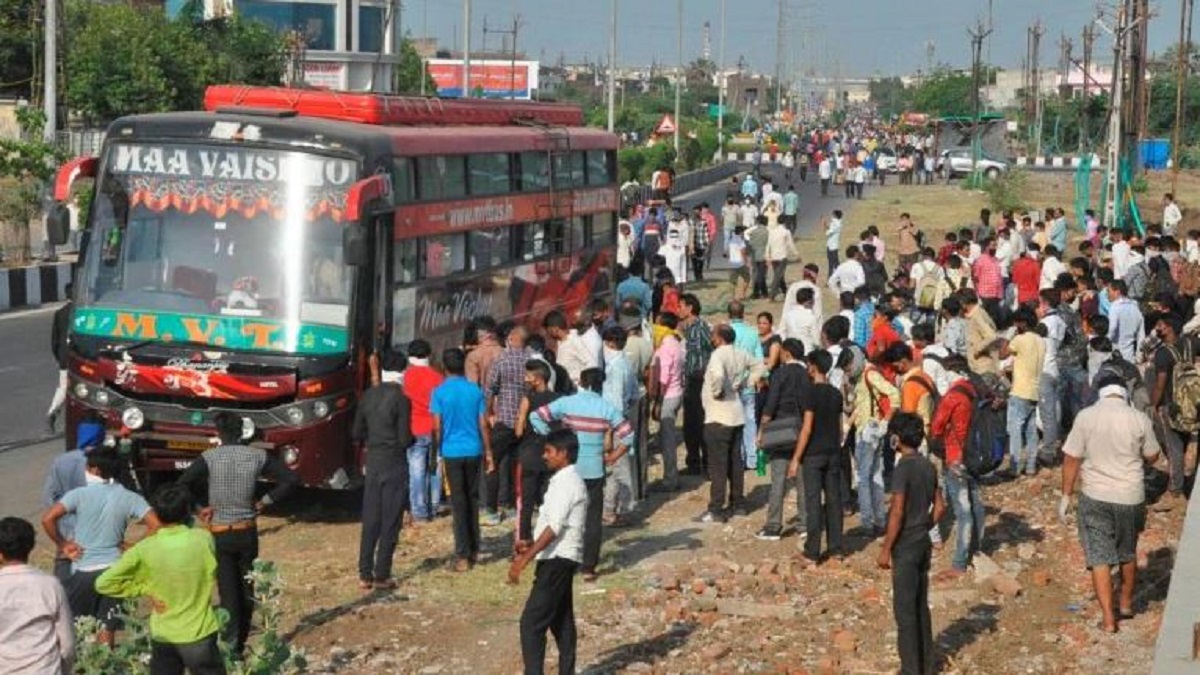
x: 26, y: 165
x: 889, y: 95
x: 20, y: 40
x: 410, y: 70
x: 944, y: 93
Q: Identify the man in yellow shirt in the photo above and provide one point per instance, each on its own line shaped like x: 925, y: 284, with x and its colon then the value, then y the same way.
x: 983, y: 342
x: 176, y: 569
x: 1028, y: 350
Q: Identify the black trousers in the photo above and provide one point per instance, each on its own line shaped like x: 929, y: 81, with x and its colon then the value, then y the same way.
x: 760, y: 279
x: 725, y: 466
x: 698, y: 260
x: 236, y: 553
x: 593, y: 523
x: 824, y: 187
x: 910, y: 606
x: 533, y: 487
x: 847, y: 477
x: 201, y: 657
x: 831, y: 259
x: 693, y: 423
x: 384, y: 497
x: 463, y: 476
x: 822, y: 476
x: 498, y: 485
x: 550, y: 606
x: 995, y: 309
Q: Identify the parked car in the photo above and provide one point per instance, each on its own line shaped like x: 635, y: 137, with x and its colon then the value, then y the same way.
x: 885, y: 160
x: 961, y: 162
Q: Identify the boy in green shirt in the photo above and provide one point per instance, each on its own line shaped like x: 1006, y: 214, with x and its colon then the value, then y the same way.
x: 176, y: 569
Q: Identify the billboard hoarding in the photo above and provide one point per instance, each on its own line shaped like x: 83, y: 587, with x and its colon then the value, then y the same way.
x: 495, y: 79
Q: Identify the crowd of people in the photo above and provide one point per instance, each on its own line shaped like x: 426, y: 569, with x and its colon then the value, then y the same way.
x: 891, y: 407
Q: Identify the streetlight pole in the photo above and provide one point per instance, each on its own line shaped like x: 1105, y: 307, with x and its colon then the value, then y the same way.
x: 678, y: 77
x: 50, y: 71
x: 612, y: 70
x: 466, y: 49
x: 721, y: 88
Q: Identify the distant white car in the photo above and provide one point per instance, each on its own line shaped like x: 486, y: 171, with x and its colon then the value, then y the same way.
x: 885, y: 160
x: 961, y: 163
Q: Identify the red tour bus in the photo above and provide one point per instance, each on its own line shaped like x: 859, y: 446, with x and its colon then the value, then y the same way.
x: 250, y: 257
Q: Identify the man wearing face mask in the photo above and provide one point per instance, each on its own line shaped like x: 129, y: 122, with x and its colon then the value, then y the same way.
x: 1175, y: 348
x: 621, y: 390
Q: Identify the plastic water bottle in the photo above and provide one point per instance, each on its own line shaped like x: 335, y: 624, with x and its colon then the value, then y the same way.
x: 761, y: 467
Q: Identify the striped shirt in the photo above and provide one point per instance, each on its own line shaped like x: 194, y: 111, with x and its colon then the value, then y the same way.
x: 506, y: 384
x: 590, y: 417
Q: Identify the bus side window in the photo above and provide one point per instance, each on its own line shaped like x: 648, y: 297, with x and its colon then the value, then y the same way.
x: 489, y: 173
x: 489, y: 248
x: 603, y: 229
x: 578, y: 236
x: 443, y: 255
x: 598, y: 172
x: 441, y: 177
x: 535, y: 171
x: 533, y: 241
x: 402, y: 180
x: 405, y: 257
x: 556, y: 232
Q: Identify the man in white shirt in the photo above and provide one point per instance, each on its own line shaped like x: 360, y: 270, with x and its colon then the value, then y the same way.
x: 800, y: 321
x: 808, y: 280
x: 749, y: 214
x: 572, y: 352
x: 36, y: 633
x: 558, y: 547
x: 848, y: 276
x: 1120, y: 254
x: 1171, y: 215
x: 825, y: 173
x: 1052, y: 267
x: 780, y: 247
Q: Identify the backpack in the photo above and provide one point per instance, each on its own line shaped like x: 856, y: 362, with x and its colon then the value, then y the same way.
x: 926, y: 292
x: 987, y: 435
x: 1185, y: 390
x: 1189, y: 279
x: 1136, y: 279
x: 1161, y: 282
x: 1072, y: 351
x: 1116, y: 365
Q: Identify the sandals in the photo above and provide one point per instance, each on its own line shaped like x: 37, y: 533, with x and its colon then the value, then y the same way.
x: 365, y: 585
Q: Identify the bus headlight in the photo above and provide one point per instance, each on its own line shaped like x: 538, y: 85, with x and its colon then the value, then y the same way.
x: 290, y: 455
x: 102, y: 397
x: 320, y: 409
x: 248, y: 428
x: 295, y: 415
x: 133, y: 418
x: 81, y: 390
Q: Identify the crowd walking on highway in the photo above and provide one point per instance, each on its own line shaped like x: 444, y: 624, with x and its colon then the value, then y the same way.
x: 1010, y: 348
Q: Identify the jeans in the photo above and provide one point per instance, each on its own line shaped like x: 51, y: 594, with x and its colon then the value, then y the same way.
x: 869, y: 461
x: 1048, y: 409
x: 550, y: 606
x: 593, y: 525
x: 1174, y: 444
x: 910, y: 606
x: 759, y: 289
x: 382, y: 515
x: 962, y: 490
x: 668, y: 440
x: 821, y: 476
x: 750, y: 430
x: 236, y: 553
x: 693, y: 423
x: 201, y: 657
x: 724, y: 466
x: 424, y: 486
x: 463, y: 475
x: 619, y: 496
x: 1022, y: 434
x: 780, y: 484
x: 499, y: 483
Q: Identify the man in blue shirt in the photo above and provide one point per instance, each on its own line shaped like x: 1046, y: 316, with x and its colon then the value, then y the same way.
x: 1126, y: 325
x: 103, y: 509
x: 621, y: 390
x: 591, y: 418
x: 633, y: 287
x: 461, y: 438
x: 67, y: 472
x: 746, y: 339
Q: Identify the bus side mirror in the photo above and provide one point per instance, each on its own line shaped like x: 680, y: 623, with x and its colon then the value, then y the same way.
x: 354, y: 244
x: 58, y: 224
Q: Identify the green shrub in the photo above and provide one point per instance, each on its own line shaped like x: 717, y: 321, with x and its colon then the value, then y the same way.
x: 1006, y: 192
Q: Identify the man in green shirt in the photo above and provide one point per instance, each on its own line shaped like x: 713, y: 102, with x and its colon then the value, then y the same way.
x: 176, y: 569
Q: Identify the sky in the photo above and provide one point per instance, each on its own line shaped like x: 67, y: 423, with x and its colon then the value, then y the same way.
x: 859, y: 38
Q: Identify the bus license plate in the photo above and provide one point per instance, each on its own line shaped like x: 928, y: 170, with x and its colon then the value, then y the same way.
x: 188, y: 445
x: 181, y: 464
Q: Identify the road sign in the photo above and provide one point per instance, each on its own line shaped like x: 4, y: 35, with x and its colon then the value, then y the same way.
x: 666, y: 126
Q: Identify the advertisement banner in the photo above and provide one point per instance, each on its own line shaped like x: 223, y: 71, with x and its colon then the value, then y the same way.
x: 494, y: 79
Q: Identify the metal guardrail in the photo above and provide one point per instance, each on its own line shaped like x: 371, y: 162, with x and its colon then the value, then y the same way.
x: 687, y: 182
x: 1178, y: 646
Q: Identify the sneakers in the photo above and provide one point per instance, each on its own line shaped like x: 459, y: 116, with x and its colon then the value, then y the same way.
x: 769, y: 534
x: 710, y: 517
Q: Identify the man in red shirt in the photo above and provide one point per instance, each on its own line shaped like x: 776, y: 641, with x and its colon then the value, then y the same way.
x: 1027, y: 275
x: 424, y: 479
x: 883, y: 335
x: 989, y: 279
x: 951, y: 423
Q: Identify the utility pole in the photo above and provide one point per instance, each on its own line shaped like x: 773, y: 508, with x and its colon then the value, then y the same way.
x: 1089, y: 38
x: 1137, y: 12
x: 612, y: 69
x: 1120, y: 30
x: 424, y: 36
x: 779, y: 59
x: 679, y: 76
x: 1036, y: 31
x: 1182, y: 66
x: 721, y: 87
x: 510, y: 33
x: 466, y: 49
x: 978, y: 35
x: 50, y: 71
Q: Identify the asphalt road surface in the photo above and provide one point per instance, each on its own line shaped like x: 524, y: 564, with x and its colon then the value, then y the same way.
x: 28, y: 372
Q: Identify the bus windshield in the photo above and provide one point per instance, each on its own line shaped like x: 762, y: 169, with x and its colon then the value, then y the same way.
x: 229, y: 246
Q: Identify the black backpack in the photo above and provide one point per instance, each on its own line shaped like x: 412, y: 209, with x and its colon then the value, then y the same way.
x: 987, y: 436
x: 1072, y: 351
